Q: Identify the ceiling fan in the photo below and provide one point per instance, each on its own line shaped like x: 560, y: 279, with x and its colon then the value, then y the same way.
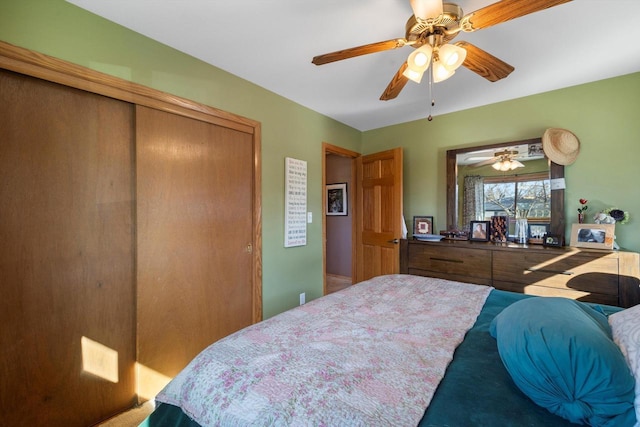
x: 505, y: 160
x: 433, y: 25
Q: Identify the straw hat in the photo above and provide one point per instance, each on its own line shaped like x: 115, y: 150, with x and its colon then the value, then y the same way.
x: 560, y: 145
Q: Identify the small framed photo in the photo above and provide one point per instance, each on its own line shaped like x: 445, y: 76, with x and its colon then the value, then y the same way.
x: 555, y: 240
x: 537, y: 233
x: 480, y: 231
x: 337, y: 199
x: 422, y: 225
x: 595, y: 236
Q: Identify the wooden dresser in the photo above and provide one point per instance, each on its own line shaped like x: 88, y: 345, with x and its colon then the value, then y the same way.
x: 605, y: 277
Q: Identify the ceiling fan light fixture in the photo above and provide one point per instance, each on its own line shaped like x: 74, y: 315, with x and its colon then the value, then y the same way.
x: 451, y: 56
x: 417, y: 63
x: 420, y: 58
x: 426, y: 9
x: 502, y: 165
x: 440, y: 72
x: 413, y: 75
x: 505, y: 165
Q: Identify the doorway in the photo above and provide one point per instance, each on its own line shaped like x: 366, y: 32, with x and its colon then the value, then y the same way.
x: 338, y: 230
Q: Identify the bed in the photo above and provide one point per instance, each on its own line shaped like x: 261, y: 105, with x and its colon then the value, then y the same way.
x: 409, y: 350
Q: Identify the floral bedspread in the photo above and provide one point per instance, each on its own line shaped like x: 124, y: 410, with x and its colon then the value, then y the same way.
x: 370, y: 355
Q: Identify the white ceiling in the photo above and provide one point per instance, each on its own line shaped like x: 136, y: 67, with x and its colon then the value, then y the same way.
x: 271, y: 43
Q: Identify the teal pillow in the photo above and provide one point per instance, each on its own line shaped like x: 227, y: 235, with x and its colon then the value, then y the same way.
x: 560, y: 353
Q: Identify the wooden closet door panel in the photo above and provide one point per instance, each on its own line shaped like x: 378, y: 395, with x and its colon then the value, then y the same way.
x: 378, y: 214
x: 194, y: 210
x: 66, y: 258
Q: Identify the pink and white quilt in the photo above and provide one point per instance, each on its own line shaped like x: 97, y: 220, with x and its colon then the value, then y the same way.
x: 370, y: 355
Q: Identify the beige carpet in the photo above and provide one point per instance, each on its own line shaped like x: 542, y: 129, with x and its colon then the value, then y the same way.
x: 336, y: 283
x: 131, y: 418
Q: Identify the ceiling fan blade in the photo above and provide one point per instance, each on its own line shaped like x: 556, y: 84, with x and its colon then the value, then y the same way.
x: 484, y: 64
x: 396, y: 84
x: 357, y: 51
x: 426, y: 9
x: 505, y: 10
x: 484, y: 162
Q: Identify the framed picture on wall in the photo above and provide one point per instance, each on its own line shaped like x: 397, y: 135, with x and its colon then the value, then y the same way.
x: 337, y: 199
x: 422, y: 225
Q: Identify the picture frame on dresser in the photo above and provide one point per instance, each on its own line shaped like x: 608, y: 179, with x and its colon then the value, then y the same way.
x: 537, y: 233
x: 594, y: 236
x: 553, y: 240
x: 422, y: 226
x: 480, y: 231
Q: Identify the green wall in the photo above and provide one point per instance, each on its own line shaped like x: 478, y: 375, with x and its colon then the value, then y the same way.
x: 603, y: 115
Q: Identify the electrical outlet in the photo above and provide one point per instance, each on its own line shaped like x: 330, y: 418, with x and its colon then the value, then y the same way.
x: 302, y: 298
x: 309, y: 217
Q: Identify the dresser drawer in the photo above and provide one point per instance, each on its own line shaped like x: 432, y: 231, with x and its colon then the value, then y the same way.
x: 577, y: 272
x: 453, y: 263
x: 604, y: 277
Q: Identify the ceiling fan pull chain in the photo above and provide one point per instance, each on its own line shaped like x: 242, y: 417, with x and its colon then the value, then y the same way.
x: 433, y: 101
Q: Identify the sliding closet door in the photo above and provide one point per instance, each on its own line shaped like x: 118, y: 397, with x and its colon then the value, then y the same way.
x: 67, y: 344
x: 195, y: 234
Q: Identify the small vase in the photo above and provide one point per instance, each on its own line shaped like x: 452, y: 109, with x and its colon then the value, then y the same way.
x: 580, y: 218
x: 522, y: 230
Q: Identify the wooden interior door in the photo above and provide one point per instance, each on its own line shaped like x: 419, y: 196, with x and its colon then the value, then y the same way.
x: 195, y: 236
x: 67, y: 343
x: 379, y: 214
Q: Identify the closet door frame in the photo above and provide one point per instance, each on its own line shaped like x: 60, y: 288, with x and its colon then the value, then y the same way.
x: 55, y: 70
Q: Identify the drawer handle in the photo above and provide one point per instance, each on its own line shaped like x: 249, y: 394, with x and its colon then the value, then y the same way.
x: 543, y: 270
x: 447, y: 260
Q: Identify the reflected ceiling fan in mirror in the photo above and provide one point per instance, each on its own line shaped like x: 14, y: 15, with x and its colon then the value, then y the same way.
x: 433, y: 25
x: 502, y: 161
x: 507, y: 159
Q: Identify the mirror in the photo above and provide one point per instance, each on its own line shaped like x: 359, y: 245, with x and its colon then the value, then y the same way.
x: 484, y: 156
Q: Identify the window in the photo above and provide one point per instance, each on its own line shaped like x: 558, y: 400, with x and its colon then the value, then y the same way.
x: 527, y: 196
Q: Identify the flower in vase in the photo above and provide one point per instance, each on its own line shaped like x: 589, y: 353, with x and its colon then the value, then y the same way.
x: 583, y: 205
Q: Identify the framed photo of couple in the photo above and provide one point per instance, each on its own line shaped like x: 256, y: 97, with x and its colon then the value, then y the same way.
x: 595, y: 236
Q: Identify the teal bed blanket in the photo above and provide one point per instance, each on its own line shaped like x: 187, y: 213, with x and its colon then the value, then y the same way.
x: 476, y: 390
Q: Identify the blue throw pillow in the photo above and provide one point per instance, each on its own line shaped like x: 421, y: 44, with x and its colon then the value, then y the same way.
x: 559, y: 352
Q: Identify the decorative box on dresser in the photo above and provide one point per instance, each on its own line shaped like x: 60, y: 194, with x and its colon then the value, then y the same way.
x: 600, y: 276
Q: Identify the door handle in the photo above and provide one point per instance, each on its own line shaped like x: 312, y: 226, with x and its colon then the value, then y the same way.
x: 394, y: 241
